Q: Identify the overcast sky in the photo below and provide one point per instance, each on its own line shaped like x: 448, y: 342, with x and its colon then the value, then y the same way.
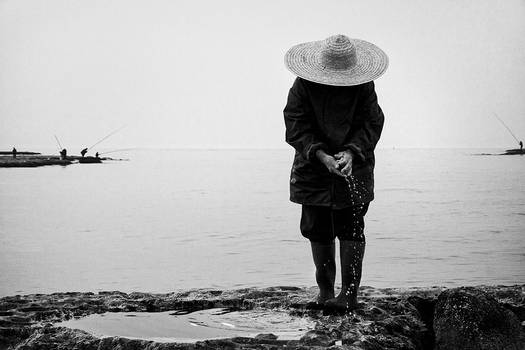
x: 211, y: 73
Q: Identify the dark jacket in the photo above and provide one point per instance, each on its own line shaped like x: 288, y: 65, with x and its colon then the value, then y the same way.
x: 333, y: 118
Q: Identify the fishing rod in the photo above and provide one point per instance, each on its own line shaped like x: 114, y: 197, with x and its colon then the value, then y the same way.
x: 117, y: 150
x: 506, y: 127
x: 59, y: 145
x: 105, y: 137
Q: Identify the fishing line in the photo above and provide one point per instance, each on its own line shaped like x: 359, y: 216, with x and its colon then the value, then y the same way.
x: 110, y: 134
x: 117, y: 150
x: 505, y: 125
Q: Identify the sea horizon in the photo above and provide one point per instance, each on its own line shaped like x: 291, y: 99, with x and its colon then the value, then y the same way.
x: 163, y: 221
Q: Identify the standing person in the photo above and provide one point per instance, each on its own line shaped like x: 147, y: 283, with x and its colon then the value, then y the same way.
x: 83, y: 152
x: 14, y: 151
x: 63, y: 154
x: 333, y: 122
x: 521, y: 145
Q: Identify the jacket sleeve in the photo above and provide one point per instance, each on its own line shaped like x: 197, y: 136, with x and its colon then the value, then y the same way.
x: 369, y: 124
x: 301, y: 128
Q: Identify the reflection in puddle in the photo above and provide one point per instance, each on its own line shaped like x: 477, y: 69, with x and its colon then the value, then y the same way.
x: 176, y: 326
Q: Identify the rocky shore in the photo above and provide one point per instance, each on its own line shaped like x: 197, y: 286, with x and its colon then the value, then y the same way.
x: 483, y: 317
x: 31, y: 161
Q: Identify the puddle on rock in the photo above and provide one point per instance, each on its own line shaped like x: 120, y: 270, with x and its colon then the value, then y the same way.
x: 172, y: 326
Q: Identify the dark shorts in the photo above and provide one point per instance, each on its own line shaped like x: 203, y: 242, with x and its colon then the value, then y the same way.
x: 323, y: 224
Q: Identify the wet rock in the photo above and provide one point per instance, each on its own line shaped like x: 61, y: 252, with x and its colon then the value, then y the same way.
x: 59, y: 338
x: 469, y: 318
x: 391, y: 332
x: 50, y: 338
x: 266, y: 336
x: 317, y: 338
x: 425, y: 307
x: 388, y: 319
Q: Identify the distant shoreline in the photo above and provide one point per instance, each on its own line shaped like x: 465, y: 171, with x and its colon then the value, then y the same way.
x: 9, y: 153
x: 35, y: 159
x: 31, y: 160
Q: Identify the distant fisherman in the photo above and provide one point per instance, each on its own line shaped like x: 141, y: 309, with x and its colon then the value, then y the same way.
x: 63, y: 154
x: 96, y: 155
x: 521, y: 145
x: 14, y: 151
x: 83, y: 152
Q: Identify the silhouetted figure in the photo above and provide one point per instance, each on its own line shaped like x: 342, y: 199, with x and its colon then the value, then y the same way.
x: 96, y: 155
x: 83, y: 152
x: 63, y: 154
x: 14, y: 152
x: 331, y: 137
x: 521, y: 145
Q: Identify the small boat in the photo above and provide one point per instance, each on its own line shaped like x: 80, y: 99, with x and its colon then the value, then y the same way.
x: 514, y: 151
x: 89, y: 160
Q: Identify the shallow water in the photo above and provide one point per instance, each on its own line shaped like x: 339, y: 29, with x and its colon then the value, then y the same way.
x: 176, y: 219
x: 188, y: 328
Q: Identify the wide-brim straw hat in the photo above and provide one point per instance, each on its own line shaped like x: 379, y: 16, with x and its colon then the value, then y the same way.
x: 337, y: 60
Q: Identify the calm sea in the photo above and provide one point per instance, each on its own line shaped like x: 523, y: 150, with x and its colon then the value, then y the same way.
x: 176, y: 219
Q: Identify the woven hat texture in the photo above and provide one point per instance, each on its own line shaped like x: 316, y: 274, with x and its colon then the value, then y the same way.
x: 337, y: 60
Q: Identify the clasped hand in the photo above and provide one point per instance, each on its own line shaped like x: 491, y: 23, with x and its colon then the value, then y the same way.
x: 339, y: 164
